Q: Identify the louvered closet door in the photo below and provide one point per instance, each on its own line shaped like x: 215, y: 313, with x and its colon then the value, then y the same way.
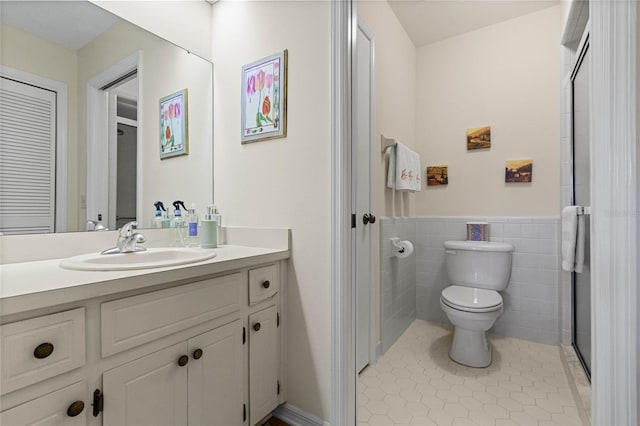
x: 27, y: 158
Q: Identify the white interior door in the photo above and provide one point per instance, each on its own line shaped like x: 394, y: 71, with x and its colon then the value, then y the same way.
x: 362, y: 195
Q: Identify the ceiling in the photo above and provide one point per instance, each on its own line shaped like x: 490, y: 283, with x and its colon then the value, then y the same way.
x: 428, y: 21
x: 77, y: 23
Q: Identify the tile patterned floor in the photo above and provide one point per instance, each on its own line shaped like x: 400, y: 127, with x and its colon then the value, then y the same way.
x: 416, y: 383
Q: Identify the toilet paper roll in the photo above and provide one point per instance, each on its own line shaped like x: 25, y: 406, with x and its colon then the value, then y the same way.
x: 405, y: 249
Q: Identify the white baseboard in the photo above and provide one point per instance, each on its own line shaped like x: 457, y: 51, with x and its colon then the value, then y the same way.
x: 297, y: 417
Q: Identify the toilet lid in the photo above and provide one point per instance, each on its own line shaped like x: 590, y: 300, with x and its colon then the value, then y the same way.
x: 471, y: 299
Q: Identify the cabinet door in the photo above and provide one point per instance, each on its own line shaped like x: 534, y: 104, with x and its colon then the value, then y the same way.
x: 263, y: 363
x: 216, y: 378
x: 148, y: 391
x: 64, y: 407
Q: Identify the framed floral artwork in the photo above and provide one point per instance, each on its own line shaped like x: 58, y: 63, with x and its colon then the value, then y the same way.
x: 174, y: 128
x: 264, y: 99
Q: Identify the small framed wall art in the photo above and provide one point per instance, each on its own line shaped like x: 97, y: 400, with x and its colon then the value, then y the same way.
x: 264, y: 99
x: 174, y: 128
x: 518, y: 171
x: 437, y: 175
x: 479, y: 138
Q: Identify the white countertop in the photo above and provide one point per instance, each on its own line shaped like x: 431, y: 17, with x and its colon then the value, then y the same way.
x: 33, y: 285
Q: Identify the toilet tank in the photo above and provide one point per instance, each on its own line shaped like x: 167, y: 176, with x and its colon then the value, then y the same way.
x: 479, y: 264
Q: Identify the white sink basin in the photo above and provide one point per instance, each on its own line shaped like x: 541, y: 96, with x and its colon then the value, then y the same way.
x: 151, y: 258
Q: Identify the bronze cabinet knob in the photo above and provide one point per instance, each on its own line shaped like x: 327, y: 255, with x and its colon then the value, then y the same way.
x: 43, y: 350
x: 256, y: 326
x: 75, y: 408
x: 197, y: 354
x: 183, y: 360
x: 266, y: 284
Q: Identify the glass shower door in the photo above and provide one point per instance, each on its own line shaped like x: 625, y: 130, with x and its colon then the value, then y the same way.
x: 581, y: 197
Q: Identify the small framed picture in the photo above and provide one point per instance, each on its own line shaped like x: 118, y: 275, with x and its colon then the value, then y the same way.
x: 174, y: 129
x: 518, y: 171
x: 479, y: 138
x: 437, y: 175
x: 264, y: 99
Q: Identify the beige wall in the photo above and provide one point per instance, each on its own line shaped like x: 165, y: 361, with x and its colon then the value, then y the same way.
x: 395, y: 112
x: 283, y: 182
x: 186, y: 23
x: 506, y: 76
x: 26, y: 52
x: 164, y: 69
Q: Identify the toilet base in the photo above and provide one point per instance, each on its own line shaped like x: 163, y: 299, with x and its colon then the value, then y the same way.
x: 470, y: 348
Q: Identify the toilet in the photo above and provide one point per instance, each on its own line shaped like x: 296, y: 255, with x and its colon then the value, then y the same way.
x: 477, y: 271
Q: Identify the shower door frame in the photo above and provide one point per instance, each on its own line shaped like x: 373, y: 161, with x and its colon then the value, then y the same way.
x: 583, y: 47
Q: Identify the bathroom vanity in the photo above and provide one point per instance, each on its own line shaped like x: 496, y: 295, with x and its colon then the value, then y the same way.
x: 194, y: 344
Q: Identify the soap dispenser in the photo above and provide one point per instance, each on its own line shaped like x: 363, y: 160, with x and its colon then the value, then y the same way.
x: 209, y: 238
x: 159, y: 219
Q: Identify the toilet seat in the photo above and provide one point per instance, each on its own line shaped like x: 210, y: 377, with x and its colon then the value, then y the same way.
x: 471, y: 299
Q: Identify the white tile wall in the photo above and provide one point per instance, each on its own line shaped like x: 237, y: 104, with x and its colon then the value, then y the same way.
x: 531, y: 300
x: 397, y: 280
x: 534, y: 296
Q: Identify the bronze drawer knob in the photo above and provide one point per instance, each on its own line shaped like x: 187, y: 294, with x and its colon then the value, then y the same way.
x: 256, y: 326
x: 75, y: 408
x: 197, y: 354
x: 266, y: 284
x: 183, y: 360
x: 43, y: 350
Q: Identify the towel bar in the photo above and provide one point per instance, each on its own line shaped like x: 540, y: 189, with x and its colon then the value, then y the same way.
x: 386, y: 142
x: 584, y: 210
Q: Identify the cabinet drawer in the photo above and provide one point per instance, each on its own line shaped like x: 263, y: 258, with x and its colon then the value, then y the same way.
x: 132, y: 321
x: 263, y: 283
x: 54, y: 408
x: 42, y: 347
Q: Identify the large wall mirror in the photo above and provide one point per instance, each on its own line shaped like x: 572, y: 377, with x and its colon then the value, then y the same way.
x: 81, y: 125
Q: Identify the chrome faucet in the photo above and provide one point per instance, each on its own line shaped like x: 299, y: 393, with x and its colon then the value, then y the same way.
x: 93, y: 225
x: 127, y: 240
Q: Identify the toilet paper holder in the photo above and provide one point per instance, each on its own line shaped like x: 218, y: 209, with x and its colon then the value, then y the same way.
x: 396, y: 243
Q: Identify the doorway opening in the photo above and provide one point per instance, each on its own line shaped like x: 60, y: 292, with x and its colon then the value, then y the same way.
x: 113, y: 151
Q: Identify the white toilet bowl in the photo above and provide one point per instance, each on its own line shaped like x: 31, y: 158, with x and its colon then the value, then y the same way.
x: 471, y: 316
x: 477, y: 270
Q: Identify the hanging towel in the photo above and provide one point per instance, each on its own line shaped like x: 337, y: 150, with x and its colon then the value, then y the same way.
x: 579, y: 262
x: 572, y: 239
x: 404, y: 169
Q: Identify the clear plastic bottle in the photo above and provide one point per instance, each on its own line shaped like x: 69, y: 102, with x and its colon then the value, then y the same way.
x: 159, y: 219
x: 192, y: 239
x: 179, y: 224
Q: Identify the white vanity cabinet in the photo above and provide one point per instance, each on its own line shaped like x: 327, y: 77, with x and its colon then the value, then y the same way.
x: 205, y: 350
x: 64, y: 407
x: 264, y: 382
x: 198, y: 382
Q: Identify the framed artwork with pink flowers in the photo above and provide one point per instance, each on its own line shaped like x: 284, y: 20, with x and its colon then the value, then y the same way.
x: 174, y: 128
x: 264, y: 99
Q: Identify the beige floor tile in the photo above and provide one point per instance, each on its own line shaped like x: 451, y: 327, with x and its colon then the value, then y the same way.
x: 399, y: 415
x: 422, y: 421
x: 440, y: 417
x: 395, y: 401
x: 416, y: 383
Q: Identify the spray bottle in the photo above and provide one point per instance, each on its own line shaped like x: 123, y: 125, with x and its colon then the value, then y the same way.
x: 159, y: 219
x: 179, y: 223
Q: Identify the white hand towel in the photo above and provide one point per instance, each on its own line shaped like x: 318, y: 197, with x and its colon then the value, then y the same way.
x: 579, y: 261
x: 404, y: 172
x: 391, y: 173
x: 569, y: 237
